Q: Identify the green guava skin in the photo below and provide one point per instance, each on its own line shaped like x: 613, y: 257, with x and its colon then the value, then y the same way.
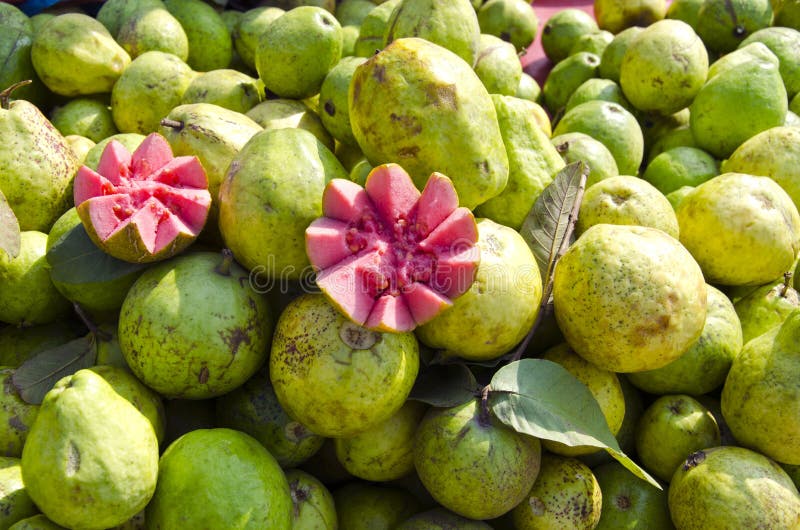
x: 28, y: 296
x: 91, y: 458
x: 338, y: 388
x: 15, y: 503
x: 574, y: 147
x: 145, y: 400
x: 680, y: 166
x: 153, y: 28
x: 113, y: 13
x: 501, y: 304
x: 386, y: 451
x: 629, y: 502
x: 451, y: 24
x: 441, y: 519
x: 227, y: 88
x: 783, y: 42
x: 314, y: 508
x: 723, y: 25
x: 80, y: 145
x: 74, y: 54
x: 36, y: 167
x: 598, y: 88
x: 364, y: 506
x: 416, y: 103
x: 761, y: 396
x: 219, y: 478
x: 472, y: 464
x: 709, y: 489
x: 251, y: 25
x: 353, y: 12
x: 19, y: 344
x: 671, y: 428
x: 253, y: 408
x: 334, y: 106
x: 189, y: 330
x: 271, y: 193
x: 766, y: 307
x: 86, y: 117
x: 497, y: 65
x: 532, y: 162
x: 373, y: 28
x: 37, y: 522
x: 290, y: 113
x: 511, y: 20
x: 616, y: 15
x: 210, y: 44
x: 611, y: 60
x: 16, y: 416
x: 566, y: 77
x: 705, y: 364
x: 15, y: 48
x: 562, y: 30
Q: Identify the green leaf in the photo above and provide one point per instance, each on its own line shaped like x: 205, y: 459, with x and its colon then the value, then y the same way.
x: 553, y: 216
x: 445, y: 385
x: 36, y: 376
x: 9, y: 229
x: 542, y: 399
x: 75, y: 260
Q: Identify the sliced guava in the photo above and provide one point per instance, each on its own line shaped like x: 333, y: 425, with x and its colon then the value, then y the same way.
x: 389, y: 257
x: 143, y: 206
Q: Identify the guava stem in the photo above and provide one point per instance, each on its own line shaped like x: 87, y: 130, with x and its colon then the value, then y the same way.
x: 787, y: 280
x: 484, y: 419
x: 224, y: 268
x: 172, y: 124
x: 5, y: 95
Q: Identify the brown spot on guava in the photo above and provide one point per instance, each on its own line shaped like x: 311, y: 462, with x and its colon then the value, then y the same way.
x: 379, y: 73
x: 357, y: 337
x: 410, y: 151
x: 537, y: 506
x: 330, y: 108
x: 623, y: 502
x: 15, y: 423
x: 694, y: 460
x: 443, y: 96
x: 203, y: 376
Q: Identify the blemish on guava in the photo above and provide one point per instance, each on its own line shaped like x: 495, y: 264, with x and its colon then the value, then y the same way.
x: 203, y: 376
x: 73, y: 459
x: 15, y: 423
x: 623, y: 502
x: 379, y: 73
x: 537, y: 506
x: 330, y: 108
x: 357, y: 337
x: 694, y: 460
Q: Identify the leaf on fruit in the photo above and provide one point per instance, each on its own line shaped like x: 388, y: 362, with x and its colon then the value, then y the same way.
x: 75, y: 259
x: 445, y: 385
x: 552, y: 219
x: 542, y: 399
x: 9, y: 229
x: 36, y: 376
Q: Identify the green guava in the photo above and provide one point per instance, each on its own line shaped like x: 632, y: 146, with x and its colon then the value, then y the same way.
x: 611, y: 60
x: 15, y: 503
x: 616, y: 15
x: 313, y: 505
x: 37, y: 522
x: 441, y: 519
x: 86, y: 117
x: 723, y: 24
x: 210, y: 44
x: 80, y: 146
x: 766, y: 307
x: 226, y: 88
x: 153, y: 28
x: 598, y: 88
x: 289, y: 113
x: 566, y: 77
x: 680, y: 166
x: 373, y: 29
x: 333, y: 95
x: 575, y: 147
x: 562, y: 29
x: 629, y: 502
x: 18, y: 344
x: 128, y: 140
x: 497, y: 65
x: 364, y: 506
x: 16, y: 416
x: 514, y: 21
x: 252, y: 24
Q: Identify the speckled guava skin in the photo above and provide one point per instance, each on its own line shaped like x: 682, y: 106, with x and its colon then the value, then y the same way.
x: 219, y: 478
x: 253, y: 408
x: 766, y: 307
x: 16, y: 416
x: 565, y: 495
x: 16, y: 504
x: 705, y: 364
x: 741, y: 229
x: 189, y: 330
x: 335, y: 377
x: 709, y: 490
x: 761, y: 396
x: 314, y: 508
x: 629, y: 298
x: 271, y: 193
x: 417, y: 104
x: 91, y: 458
x: 472, y: 464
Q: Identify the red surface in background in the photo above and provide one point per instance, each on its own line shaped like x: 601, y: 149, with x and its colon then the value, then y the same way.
x: 534, y: 61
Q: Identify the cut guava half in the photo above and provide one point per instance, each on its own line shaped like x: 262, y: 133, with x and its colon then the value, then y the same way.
x: 143, y: 206
x: 389, y: 257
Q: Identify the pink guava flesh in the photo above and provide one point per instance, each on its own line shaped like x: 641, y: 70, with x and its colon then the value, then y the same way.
x: 392, y: 258
x: 145, y: 205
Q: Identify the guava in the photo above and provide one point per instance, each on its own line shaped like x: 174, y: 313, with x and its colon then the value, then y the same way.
x: 723, y: 24
x: 253, y: 408
x: 705, y: 364
x: 574, y: 147
x: 500, y: 306
x: 616, y: 15
x: 12, y: 17
x: 289, y: 113
x: 334, y: 105
x: 680, y: 136
x: 670, y: 429
x: 611, y: 60
x: 629, y: 298
x: 514, y: 21
x: 194, y: 327
x: 566, y: 77
x: 18, y: 344
x: 629, y: 502
x: 471, y: 463
x: 353, y: 12
x: 364, y: 506
x: 252, y: 24
x: 766, y: 307
x: 414, y: 104
x: 709, y: 490
x: 313, y: 505
x: 384, y: 452
x: 84, y: 116
x: 626, y: 200
x: 74, y: 54
x: 342, y: 379
x: 226, y: 88
x: 129, y: 140
x: 741, y: 229
x: 604, y: 386
x: 388, y: 256
x: 80, y: 146
x: 153, y: 28
x: 28, y: 295
x: 664, y: 67
x: 91, y: 458
x: 15, y: 48
x: 297, y: 50
x: 15, y: 503
x: 680, y: 166
x: 373, y: 29
x: 529, y: 89
x: 594, y: 42
x: 497, y: 65
x: 219, y: 478
x: 271, y: 193
x: 451, y: 24
x: 143, y: 206
x: 37, y: 522
x: 16, y: 416
x: 565, y: 495
x: 113, y: 13
x: 441, y: 519
x: 598, y: 88
x: 210, y: 44
x: 562, y: 29
x: 787, y: 14
x: 685, y: 10
x: 760, y: 397
x: 783, y: 42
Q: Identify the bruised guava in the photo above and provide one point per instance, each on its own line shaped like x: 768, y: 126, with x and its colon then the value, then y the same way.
x: 143, y: 206
x: 388, y: 256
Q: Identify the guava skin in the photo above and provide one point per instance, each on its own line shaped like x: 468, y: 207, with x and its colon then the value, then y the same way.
x: 16, y: 416
x: 629, y: 502
x: 15, y: 503
x: 364, y: 506
x: 341, y: 379
x: 472, y: 464
x: 314, y: 508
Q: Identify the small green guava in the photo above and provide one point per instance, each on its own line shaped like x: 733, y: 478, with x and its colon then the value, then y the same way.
x: 514, y: 21
x: 210, y: 43
x: 680, y: 166
x: 251, y: 25
x: 333, y: 96
x: 37, y: 522
x: 441, y: 519
x: 153, y: 28
x: 723, y: 25
x: 18, y: 344
x: 16, y: 416
x: 15, y: 503
x: 629, y: 502
x: 364, y: 506
x: 313, y: 505
x: 226, y: 88
x: 611, y: 60
x: 616, y: 15
x: 79, y: 145
x: 598, y: 88
x: 497, y: 65
x: 562, y: 29
x: 574, y: 147
x: 595, y: 42
x: 87, y: 117
x: 766, y: 307
x: 566, y: 77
